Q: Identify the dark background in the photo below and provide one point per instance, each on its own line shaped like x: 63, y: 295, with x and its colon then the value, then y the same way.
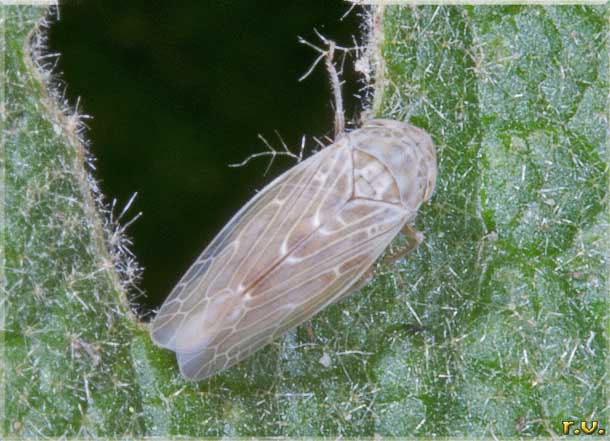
x: 179, y: 90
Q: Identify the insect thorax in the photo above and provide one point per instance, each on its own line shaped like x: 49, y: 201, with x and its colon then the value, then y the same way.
x: 393, y: 162
x: 373, y: 180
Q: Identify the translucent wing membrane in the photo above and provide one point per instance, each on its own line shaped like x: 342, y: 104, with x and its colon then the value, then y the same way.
x: 296, y: 247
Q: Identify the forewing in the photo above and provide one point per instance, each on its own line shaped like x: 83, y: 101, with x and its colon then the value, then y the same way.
x: 256, y: 239
x: 319, y: 271
x: 294, y: 248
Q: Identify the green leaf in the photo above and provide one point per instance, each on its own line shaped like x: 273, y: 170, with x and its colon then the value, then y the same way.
x: 495, y: 326
x: 511, y: 283
x: 66, y: 334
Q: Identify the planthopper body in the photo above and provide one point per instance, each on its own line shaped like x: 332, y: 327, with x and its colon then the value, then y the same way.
x: 302, y: 243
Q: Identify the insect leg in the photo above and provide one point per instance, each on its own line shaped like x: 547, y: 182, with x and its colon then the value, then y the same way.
x: 336, y: 86
x: 311, y: 335
x: 415, y: 238
x: 335, y: 83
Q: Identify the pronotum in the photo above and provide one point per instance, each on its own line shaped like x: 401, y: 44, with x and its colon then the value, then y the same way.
x: 303, y: 242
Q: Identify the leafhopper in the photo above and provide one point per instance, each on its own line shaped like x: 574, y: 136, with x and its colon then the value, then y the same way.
x: 303, y: 242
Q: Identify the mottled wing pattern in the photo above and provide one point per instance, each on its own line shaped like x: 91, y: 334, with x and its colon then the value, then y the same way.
x: 300, y: 244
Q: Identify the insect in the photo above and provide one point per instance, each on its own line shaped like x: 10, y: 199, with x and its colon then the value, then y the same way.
x: 305, y: 241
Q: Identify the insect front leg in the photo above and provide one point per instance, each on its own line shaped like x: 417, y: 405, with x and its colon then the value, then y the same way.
x: 336, y: 86
x: 414, y: 239
x: 335, y: 82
